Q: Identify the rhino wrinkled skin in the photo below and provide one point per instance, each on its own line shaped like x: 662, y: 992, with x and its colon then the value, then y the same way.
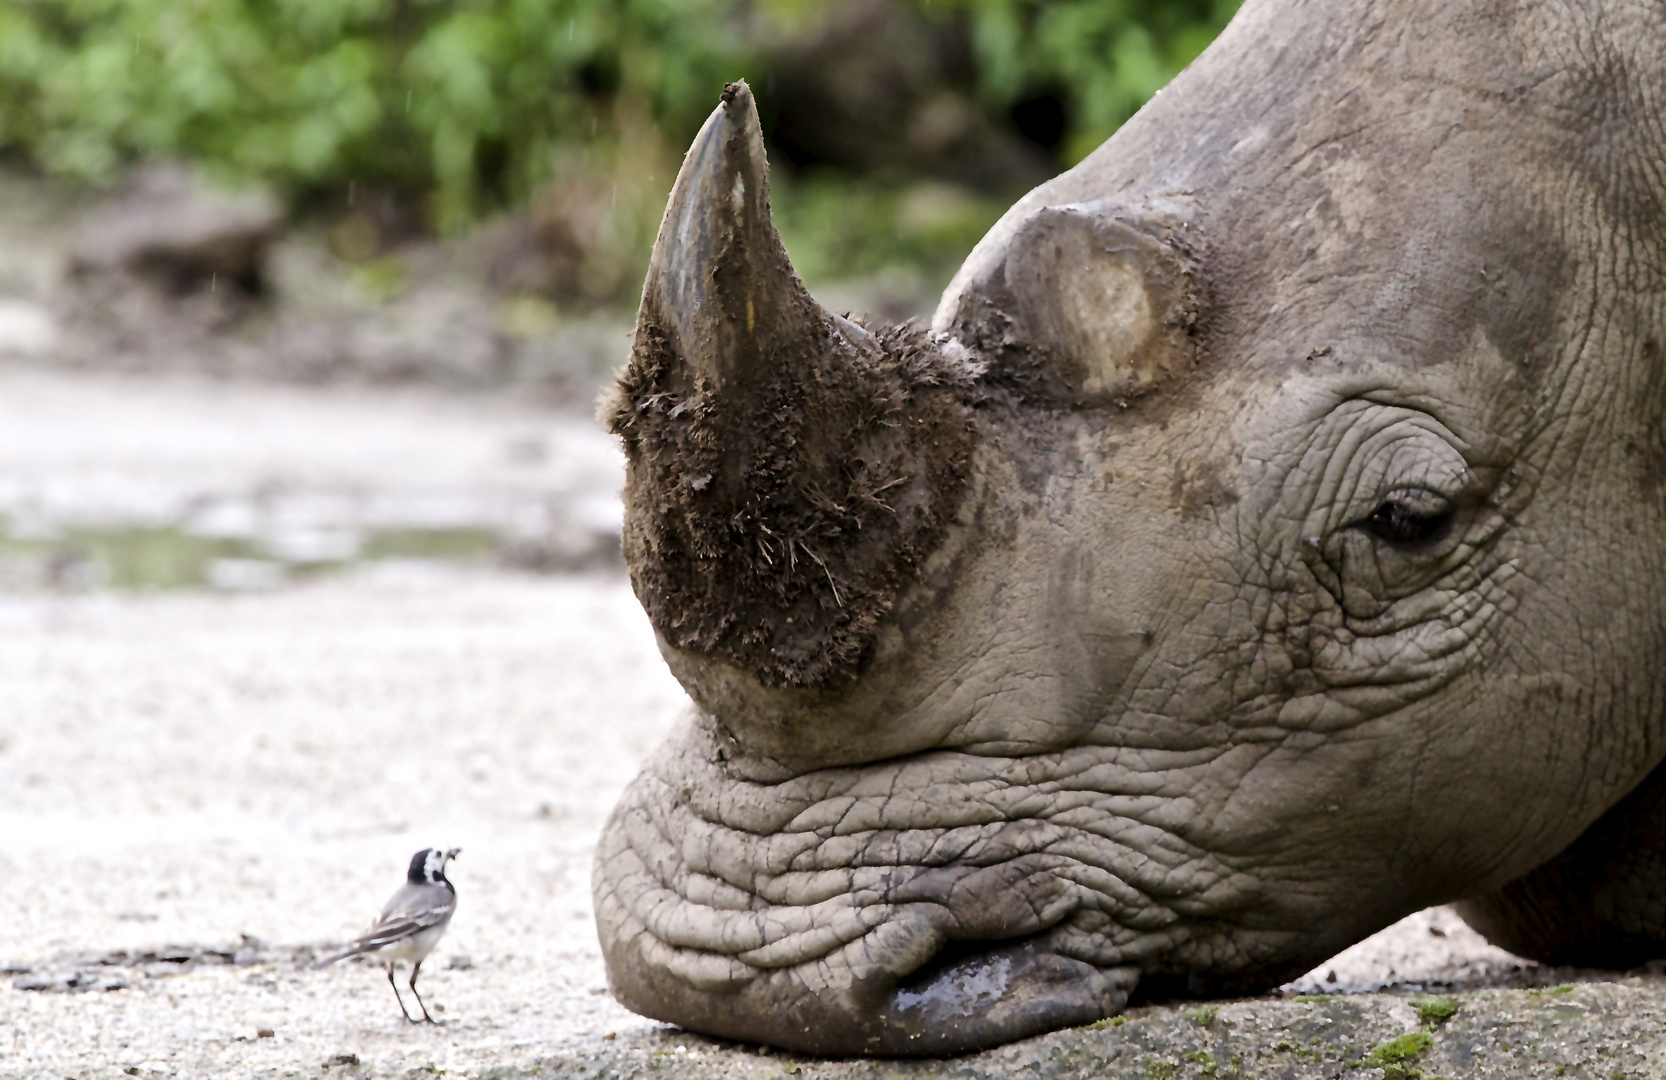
x: 1263, y: 542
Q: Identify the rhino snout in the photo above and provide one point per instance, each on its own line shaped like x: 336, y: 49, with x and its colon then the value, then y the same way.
x: 879, y: 909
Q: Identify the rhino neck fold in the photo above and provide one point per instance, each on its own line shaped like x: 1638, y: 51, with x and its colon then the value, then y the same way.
x: 788, y: 470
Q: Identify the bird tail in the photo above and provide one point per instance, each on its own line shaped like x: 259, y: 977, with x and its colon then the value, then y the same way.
x: 354, y: 951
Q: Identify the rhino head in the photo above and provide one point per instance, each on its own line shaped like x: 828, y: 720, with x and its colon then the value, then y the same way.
x: 1261, y: 544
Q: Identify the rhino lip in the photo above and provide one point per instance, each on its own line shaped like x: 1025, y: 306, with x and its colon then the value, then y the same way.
x: 724, y: 905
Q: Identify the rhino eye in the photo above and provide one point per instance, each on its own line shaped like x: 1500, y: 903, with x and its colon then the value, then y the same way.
x: 1409, y: 518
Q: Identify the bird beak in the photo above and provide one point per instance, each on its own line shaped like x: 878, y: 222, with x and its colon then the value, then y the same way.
x: 452, y: 853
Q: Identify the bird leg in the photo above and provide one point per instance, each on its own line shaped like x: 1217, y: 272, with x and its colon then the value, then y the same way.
x: 408, y: 1017
x: 415, y: 968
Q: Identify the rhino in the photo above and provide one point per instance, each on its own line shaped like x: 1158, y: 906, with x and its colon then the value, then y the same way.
x: 1262, y: 542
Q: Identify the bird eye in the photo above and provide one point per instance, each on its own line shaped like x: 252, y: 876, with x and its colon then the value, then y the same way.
x: 1409, y: 518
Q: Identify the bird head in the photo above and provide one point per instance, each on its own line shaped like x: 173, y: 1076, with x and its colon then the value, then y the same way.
x: 428, y: 865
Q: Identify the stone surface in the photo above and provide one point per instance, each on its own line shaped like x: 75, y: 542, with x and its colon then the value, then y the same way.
x: 1591, y: 1030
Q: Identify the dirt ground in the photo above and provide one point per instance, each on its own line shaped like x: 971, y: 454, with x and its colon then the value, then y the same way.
x: 207, y: 780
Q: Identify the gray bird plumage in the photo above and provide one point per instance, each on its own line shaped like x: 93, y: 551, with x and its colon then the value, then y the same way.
x: 411, y: 923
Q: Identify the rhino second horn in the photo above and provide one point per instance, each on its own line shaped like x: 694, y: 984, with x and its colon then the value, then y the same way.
x: 788, y: 470
x: 1086, y: 302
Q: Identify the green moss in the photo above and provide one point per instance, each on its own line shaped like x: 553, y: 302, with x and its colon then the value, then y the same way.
x: 1313, y: 999
x: 1306, y: 1053
x: 1161, y: 1070
x: 1436, y: 1009
x: 1203, y: 1017
x: 1402, y: 1048
x: 1108, y: 1022
x: 1204, y: 1061
x: 1394, y: 1057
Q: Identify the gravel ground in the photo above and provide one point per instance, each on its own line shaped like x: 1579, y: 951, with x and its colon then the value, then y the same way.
x: 200, y: 790
x: 201, y: 770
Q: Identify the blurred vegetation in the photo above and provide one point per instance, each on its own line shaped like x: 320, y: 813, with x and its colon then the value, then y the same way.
x: 1102, y: 59
x: 574, y: 113
x: 467, y: 104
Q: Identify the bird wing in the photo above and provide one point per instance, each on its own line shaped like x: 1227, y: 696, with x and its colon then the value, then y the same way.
x: 411, y: 910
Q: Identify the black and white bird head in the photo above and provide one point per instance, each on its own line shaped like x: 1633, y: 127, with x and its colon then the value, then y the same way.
x: 428, y: 866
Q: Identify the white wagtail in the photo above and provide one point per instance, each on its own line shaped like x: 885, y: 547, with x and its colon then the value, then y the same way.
x: 411, y: 924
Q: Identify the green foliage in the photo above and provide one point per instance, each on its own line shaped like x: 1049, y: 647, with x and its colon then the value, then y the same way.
x: 1204, y: 1016
x: 1104, y: 57
x: 577, y: 108
x: 468, y: 102
x: 835, y: 227
x: 478, y: 98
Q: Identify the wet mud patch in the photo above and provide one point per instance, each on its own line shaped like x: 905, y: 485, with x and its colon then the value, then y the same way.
x: 171, y: 557
x: 122, y: 969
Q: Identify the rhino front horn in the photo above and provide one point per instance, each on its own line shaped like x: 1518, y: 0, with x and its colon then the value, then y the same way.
x: 720, y: 288
x: 787, y: 469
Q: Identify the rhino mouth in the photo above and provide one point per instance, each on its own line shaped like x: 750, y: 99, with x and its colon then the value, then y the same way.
x: 873, y: 910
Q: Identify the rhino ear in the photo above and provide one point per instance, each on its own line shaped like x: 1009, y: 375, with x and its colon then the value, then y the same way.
x: 1087, y: 303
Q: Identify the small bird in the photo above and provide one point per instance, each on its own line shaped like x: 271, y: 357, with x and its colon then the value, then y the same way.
x: 411, y: 924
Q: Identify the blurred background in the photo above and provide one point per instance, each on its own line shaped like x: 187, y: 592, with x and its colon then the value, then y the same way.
x: 462, y: 195
x: 899, y: 128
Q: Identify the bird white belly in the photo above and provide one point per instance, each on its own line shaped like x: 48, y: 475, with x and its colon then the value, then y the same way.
x: 412, y: 949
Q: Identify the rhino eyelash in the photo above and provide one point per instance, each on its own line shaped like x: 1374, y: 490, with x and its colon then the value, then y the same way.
x: 1397, y: 522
